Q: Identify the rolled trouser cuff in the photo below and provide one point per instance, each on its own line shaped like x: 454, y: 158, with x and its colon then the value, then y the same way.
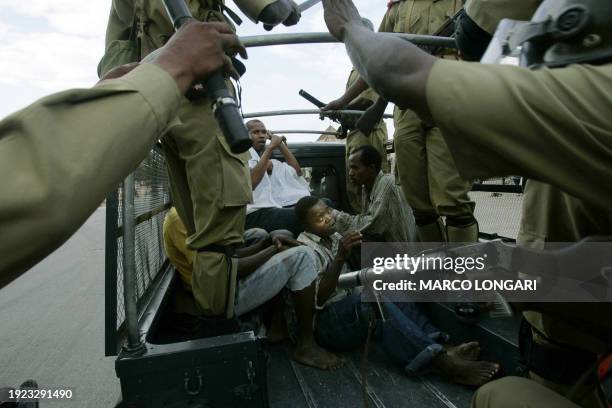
x: 422, y: 360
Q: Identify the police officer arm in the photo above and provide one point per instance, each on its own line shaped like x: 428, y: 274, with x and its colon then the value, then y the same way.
x: 359, y: 86
x: 350, y: 95
x: 270, y: 12
x: 395, y: 69
x: 66, y: 151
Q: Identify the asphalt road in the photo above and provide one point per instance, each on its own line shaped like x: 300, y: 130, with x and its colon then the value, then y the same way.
x: 52, y: 323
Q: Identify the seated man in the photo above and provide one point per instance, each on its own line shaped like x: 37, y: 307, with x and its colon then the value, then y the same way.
x: 264, y: 269
x: 275, y: 184
x: 385, y: 214
x: 342, y: 320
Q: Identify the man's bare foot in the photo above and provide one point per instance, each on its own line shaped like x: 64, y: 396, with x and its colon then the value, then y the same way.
x: 467, y: 351
x: 311, y: 354
x: 463, y: 371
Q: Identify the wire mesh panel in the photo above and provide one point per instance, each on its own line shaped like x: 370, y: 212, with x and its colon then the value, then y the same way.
x: 498, y: 205
x: 151, y: 203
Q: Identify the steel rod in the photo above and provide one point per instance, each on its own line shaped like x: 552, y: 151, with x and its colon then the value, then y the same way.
x: 304, y: 132
x: 303, y: 112
x: 321, y: 37
x: 129, y: 265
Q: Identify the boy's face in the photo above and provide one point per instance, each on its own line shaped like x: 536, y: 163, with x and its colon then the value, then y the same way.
x: 320, y: 220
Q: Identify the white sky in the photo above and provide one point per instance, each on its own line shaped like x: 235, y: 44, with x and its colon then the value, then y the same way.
x: 49, y: 46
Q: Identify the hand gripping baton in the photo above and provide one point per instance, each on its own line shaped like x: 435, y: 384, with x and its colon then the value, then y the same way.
x: 225, y: 107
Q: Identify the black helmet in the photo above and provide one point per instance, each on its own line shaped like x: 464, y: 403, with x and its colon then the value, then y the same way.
x: 563, y: 32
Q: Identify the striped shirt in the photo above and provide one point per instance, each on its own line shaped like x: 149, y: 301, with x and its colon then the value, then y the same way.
x: 386, y: 216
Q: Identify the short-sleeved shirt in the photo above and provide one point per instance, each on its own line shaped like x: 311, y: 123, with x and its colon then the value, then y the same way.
x: 287, y: 186
x: 284, y: 187
x: 326, y: 249
x: 262, y: 194
x: 553, y: 125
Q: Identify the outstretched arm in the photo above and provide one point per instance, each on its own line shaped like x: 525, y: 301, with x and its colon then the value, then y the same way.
x: 66, y: 151
x: 395, y: 69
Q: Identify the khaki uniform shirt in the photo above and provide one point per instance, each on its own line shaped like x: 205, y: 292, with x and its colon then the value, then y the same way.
x: 488, y: 13
x: 419, y: 16
x: 551, y: 125
x: 156, y: 25
x: 62, y: 155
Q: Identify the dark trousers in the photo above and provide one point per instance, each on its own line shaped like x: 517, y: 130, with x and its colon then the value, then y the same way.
x: 272, y: 219
x: 407, y: 336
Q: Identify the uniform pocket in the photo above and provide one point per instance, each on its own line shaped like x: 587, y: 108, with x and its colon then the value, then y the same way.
x: 236, y: 176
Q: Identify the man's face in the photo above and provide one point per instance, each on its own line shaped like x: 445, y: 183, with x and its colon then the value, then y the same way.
x: 359, y: 174
x: 320, y: 220
x: 259, y: 135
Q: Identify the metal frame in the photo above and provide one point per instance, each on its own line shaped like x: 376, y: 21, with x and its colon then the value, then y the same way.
x: 321, y: 38
x: 288, y: 112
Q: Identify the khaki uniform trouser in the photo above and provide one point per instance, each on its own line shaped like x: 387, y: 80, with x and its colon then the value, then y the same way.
x: 427, y: 171
x: 550, y: 215
x: 356, y: 139
x: 515, y: 392
x: 210, y: 188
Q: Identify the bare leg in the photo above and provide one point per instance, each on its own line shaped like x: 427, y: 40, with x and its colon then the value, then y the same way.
x: 307, y: 351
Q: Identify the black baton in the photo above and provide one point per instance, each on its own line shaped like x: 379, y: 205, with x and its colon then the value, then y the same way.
x: 311, y: 99
x: 225, y: 107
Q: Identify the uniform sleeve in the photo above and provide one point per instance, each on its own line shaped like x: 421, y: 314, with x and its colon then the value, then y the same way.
x: 253, y: 8
x: 550, y: 125
x: 388, y: 22
x: 65, y: 152
x: 118, y: 48
x: 119, y: 21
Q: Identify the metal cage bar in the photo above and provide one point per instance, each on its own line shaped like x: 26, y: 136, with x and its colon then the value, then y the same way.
x: 129, y: 264
x: 303, y: 112
x: 322, y: 37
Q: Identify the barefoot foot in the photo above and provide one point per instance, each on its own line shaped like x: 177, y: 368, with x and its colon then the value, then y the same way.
x: 315, y: 356
x: 467, y: 351
x: 463, y: 371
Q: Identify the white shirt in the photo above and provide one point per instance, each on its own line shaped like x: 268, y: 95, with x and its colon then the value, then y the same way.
x: 287, y: 186
x: 282, y: 188
x: 262, y: 194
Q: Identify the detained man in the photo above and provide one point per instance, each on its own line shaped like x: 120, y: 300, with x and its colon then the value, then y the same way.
x: 342, y: 319
x: 276, y: 185
x: 385, y: 216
